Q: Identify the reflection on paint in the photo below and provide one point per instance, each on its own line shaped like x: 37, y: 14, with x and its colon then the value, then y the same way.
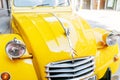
x: 28, y: 61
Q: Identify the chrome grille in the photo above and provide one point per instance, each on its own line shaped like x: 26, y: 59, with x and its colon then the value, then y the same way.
x: 71, y: 69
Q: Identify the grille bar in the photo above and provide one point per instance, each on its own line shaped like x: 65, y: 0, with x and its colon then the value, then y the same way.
x: 69, y: 62
x: 70, y: 69
x: 71, y: 74
x: 61, y: 70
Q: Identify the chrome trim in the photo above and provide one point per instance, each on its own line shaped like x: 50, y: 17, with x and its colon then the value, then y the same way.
x: 67, y: 33
x: 71, y: 69
x: 116, y: 76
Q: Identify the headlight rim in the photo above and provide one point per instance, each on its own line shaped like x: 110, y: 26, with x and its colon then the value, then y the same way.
x: 113, y: 38
x: 14, y: 41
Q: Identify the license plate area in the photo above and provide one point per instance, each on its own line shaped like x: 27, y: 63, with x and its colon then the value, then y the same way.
x: 91, y: 78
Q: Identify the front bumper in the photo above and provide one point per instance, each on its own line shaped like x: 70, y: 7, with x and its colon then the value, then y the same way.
x: 108, y: 75
x: 116, y: 76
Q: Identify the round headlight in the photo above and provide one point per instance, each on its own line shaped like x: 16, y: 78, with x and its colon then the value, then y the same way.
x: 15, y: 49
x: 111, y: 40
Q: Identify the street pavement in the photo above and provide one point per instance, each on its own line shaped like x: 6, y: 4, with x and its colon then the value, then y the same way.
x: 107, y: 19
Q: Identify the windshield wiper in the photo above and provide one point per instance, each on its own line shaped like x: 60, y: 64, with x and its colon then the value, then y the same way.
x: 37, y: 5
x: 61, y: 4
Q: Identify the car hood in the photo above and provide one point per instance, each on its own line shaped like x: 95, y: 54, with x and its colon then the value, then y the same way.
x: 45, y: 37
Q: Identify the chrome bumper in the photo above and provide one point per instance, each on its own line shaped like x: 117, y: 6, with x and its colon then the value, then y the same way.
x: 116, y: 76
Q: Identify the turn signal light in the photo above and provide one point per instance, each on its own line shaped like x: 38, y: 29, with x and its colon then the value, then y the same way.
x: 116, y: 58
x: 5, y: 76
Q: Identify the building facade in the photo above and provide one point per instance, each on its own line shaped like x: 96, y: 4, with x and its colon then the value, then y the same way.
x: 1, y: 4
x: 92, y: 4
x: 100, y: 4
x: 112, y: 4
x: 85, y: 4
x: 118, y: 5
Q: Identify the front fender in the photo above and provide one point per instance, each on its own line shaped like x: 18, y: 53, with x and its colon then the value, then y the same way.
x: 19, y: 69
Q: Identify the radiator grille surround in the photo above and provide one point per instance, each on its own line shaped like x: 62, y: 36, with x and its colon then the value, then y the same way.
x: 75, y: 69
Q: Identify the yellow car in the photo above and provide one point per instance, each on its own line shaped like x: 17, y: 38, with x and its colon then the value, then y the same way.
x: 49, y: 41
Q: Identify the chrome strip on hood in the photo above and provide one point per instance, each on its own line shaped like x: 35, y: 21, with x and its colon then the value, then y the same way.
x: 67, y: 33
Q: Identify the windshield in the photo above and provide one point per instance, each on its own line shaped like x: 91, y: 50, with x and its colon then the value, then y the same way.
x: 31, y: 3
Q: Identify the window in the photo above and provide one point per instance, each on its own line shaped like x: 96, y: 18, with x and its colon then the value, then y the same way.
x: 27, y: 3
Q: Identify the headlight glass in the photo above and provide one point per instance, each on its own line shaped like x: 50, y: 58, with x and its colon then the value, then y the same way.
x: 15, y: 49
x: 111, y: 40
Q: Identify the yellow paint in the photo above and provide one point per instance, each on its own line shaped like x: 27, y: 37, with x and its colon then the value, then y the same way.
x: 46, y: 42
x: 19, y: 69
